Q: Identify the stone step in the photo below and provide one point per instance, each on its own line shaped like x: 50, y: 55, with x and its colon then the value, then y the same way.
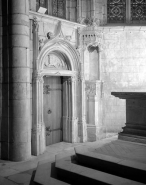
x: 46, y: 175
x: 76, y: 174
x: 46, y: 172
x: 112, y: 165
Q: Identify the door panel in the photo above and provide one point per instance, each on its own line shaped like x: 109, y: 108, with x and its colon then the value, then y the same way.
x: 53, y: 109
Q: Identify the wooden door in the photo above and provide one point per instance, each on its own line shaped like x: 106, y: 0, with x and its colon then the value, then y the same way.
x: 52, y: 101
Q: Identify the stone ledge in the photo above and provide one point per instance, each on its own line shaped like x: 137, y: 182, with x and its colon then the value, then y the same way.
x: 130, y: 95
x: 49, y: 18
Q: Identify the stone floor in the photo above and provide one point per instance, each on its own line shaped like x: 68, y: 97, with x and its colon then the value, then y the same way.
x: 22, y: 173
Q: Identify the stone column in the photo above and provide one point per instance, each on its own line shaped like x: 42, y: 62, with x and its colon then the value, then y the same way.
x: 65, y: 109
x: 74, y: 120
x: 19, y: 115
x: 69, y: 109
x: 68, y: 9
x: 82, y: 108
x: 79, y: 10
x: 38, y: 126
x: 73, y: 11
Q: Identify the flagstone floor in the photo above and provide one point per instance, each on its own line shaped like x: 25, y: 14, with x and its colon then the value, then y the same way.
x: 22, y: 173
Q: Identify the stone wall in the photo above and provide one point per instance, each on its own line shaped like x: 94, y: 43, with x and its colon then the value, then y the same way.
x: 122, y: 54
x: 123, y: 68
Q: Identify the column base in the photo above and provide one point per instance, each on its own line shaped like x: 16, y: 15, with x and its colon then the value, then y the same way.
x: 70, y: 130
x: 95, y: 133
x: 38, y: 140
x: 19, y: 151
x: 133, y: 132
x: 82, y: 130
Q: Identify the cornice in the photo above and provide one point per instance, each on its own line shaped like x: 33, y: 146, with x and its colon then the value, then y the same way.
x: 51, y: 19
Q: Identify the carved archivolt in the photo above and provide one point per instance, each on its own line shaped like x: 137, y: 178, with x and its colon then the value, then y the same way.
x: 52, y: 61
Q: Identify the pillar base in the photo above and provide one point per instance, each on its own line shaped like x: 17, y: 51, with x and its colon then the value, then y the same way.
x: 95, y: 133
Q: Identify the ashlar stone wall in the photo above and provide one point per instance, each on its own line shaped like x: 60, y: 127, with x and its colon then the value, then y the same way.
x: 123, y: 68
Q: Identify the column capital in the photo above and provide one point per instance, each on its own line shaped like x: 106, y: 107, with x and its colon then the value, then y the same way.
x: 38, y: 77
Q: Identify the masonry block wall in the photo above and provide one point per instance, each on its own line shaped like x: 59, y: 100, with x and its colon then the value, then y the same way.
x: 123, y: 68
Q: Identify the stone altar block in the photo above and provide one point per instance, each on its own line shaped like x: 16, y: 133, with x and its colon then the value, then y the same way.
x: 135, y: 128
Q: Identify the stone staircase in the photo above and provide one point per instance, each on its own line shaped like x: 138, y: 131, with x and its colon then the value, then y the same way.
x: 82, y: 166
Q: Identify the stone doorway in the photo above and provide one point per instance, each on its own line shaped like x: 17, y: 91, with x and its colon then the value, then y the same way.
x: 58, y: 59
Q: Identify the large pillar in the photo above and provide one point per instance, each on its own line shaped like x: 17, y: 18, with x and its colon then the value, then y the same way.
x: 18, y: 73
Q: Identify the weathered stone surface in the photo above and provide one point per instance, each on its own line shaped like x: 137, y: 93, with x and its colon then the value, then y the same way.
x: 22, y: 154
x: 18, y: 7
x: 19, y: 54
x: 19, y: 91
x: 20, y: 108
x: 17, y: 75
x: 20, y: 41
x: 19, y: 136
x: 20, y: 178
x: 32, y: 6
x: 19, y: 29
x: 20, y: 20
x: 17, y: 119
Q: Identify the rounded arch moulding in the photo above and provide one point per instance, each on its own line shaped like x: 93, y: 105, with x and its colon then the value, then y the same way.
x: 62, y: 47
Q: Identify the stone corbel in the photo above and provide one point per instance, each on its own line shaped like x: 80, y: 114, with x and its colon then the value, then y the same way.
x: 35, y: 24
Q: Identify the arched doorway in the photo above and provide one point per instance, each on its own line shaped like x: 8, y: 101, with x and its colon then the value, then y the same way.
x: 56, y: 95
x: 57, y: 67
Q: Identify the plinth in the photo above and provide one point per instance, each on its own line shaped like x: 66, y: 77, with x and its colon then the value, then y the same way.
x: 135, y: 128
